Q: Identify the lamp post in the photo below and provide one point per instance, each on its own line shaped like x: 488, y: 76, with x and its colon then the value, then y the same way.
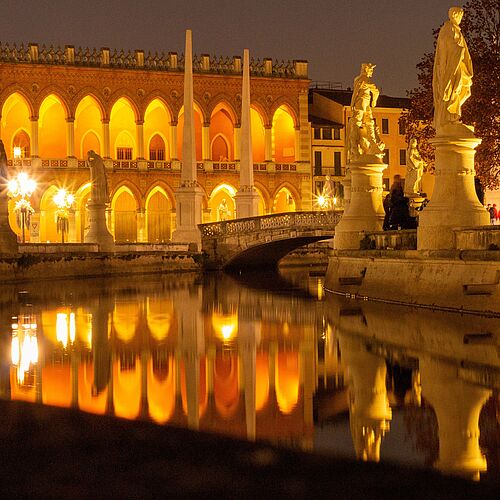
x: 63, y: 201
x: 22, y: 187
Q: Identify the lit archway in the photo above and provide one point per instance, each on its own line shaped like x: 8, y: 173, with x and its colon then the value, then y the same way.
x: 157, y: 120
x: 52, y: 128
x: 21, y: 144
x: 88, y: 127
x: 124, y: 213
x: 284, y: 201
x: 48, y: 216
x: 222, y: 133
x: 158, y: 216
x: 220, y: 148
x: 15, y: 115
x: 122, y: 130
x: 221, y: 203
x: 258, y: 136
x: 157, y: 148
x: 283, y: 136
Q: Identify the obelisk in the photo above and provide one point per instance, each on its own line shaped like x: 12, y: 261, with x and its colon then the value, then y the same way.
x: 189, y: 195
x: 8, y: 239
x: 247, y: 198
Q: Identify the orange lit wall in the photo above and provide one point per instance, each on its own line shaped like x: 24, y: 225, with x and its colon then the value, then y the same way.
x: 127, y: 390
x: 287, y: 381
x: 284, y: 136
x: 197, y: 132
x: 226, y: 386
x: 161, y: 392
x: 220, y: 123
x: 56, y: 385
x: 52, y: 121
x: 87, y: 399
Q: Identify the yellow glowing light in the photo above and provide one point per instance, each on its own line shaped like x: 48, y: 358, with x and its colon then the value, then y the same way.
x: 62, y: 329
x: 225, y: 325
x: 321, y: 201
x: 227, y: 331
x: 24, y: 349
x: 17, y: 152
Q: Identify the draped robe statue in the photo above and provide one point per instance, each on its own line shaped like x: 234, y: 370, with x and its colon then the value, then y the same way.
x: 452, y: 74
x: 414, y: 169
x: 99, y: 188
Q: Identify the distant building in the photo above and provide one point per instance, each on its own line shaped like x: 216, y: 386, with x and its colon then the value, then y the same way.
x: 329, y: 111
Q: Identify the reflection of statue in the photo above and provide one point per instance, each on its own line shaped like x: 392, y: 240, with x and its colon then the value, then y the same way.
x: 4, y: 173
x: 414, y: 169
x: 223, y: 210
x: 452, y: 75
x: 99, y: 189
x: 362, y: 134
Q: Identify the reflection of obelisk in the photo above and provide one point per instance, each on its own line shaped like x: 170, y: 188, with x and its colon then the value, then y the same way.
x: 8, y: 239
x: 457, y: 405
x: 188, y: 195
x: 369, y: 409
x: 247, y: 199
x: 454, y: 202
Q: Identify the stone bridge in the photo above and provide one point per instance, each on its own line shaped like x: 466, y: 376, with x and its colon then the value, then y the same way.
x: 262, y: 241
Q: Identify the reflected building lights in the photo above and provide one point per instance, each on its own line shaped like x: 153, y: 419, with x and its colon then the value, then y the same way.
x: 24, y: 348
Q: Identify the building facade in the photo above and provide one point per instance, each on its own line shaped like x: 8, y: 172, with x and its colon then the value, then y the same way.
x: 329, y: 112
x: 57, y: 104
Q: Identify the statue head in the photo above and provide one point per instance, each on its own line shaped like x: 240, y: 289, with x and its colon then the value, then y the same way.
x: 455, y: 14
x: 367, y: 68
x: 413, y: 142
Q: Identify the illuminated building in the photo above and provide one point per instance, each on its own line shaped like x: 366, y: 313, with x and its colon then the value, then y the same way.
x: 57, y: 104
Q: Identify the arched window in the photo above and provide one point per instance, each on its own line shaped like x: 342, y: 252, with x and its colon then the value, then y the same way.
x: 157, y: 148
x: 21, y: 145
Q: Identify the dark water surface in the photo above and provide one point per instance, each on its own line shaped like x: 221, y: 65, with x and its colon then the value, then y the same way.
x: 262, y: 356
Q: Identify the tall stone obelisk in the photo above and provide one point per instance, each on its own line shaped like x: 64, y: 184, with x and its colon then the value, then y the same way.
x: 8, y: 239
x: 454, y: 202
x: 189, y: 195
x: 247, y: 198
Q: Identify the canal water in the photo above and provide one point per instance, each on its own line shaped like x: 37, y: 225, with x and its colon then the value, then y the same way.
x: 262, y: 356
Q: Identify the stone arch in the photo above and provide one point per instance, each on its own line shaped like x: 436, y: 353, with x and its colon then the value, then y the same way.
x: 88, y: 118
x: 21, y: 139
x: 58, y: 93
x: 281, y: 204
x: 158, y: 215
x: 222, y: 123
x: 289, y: 108
x: 94, y: 95
x: 126, y: 95
x: 157, y: 121
x: 15, y: 116
x: 221, y: 202
x: 9, y: 91
x: 160, y: 96
x: 86, y: 144
x: 283, y: 135
x: 48, y: 213
x: 123, y: 117
x: 220, y: 151
x: 199, y: 119
x: 223, y: 101
x: 52, y: 116
x: 264, y: 206
x: 124, y: 206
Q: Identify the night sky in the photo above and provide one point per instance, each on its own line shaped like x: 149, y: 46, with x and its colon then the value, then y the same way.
x: 335, y: 36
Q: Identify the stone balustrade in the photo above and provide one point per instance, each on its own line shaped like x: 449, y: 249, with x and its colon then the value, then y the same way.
x: 478, y: 238
x: 137, y: 59
x: 403, y: 239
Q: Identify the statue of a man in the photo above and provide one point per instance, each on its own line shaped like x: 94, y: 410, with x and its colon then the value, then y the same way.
x: 452, y: 75
x: 4, y: 172
x: 362, y: 136
x: 414, y: 169
x: 99, y: 188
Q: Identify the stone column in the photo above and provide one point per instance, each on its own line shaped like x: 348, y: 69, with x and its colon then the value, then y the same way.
x: 369, y: 409
x: 8, y: 239
x: 188, y: 195
x: 457, y: 405
x: 297, y: 151
x: 140, y: 139
x: 173, y: 141
x: 71, y: 226
x: 70, y: 137
x: 106, y: 139
x: 454, y: 202
x: 247, y: 198
x: 142, y: 234
x: 205, y: 142
x: 365, y: 211
x: 268, y: 143
x: 34, y: 136
x: 237, y: 141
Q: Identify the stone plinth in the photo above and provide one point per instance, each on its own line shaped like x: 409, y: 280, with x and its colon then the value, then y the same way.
x: 365, y: 211
x: 8, y: 239
x: 247, y: 202
x: 98, y: 231
x: 188, y: 200
x: 454, y: 202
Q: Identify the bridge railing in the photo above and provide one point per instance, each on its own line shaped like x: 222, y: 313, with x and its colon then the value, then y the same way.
x: 288, y: 220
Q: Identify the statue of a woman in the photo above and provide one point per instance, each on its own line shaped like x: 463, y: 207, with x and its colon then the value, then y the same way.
x: 99, y: 188
x: 452, y: 75
x: 414, y: 169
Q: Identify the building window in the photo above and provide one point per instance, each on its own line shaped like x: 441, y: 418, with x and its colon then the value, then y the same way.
x: 401, y: 127
x: 123, y: 153
x: 21, y: 145
x: 157, y: 148
x: 385, y: 125
x: 337, y: 163
x: 317, y: 163
x: 317, y: 133
x: 327, y: 134
x: 336, y: 134
x: 402, y: 156
x: 386, y: 156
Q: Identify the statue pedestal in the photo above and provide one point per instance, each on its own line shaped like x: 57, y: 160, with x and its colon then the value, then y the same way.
x: 365, y: 211
x: 247, y: 202
x: 188, y: 214
x: 8, y: 239
x: 454, y: 202
x: 98, y: 231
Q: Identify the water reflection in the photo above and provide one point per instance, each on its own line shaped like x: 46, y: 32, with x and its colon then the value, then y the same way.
x: 286, y: 364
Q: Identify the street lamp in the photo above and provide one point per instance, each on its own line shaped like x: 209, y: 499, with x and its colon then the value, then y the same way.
x: 22, y: 187
x: 63, y: 201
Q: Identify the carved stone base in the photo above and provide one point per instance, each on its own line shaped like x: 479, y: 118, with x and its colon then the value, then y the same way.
x: 188, y: 214
x: 8, y: 239
x: 365, y: 211
x: 98, y: 231
x: 454, y: 202
x: 247, y: 202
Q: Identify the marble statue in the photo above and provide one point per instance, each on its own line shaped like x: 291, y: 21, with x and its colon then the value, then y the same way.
x: 4, y: 173
x: 452, y: 74
x: 223, y: 210
x: 414, y: 169
x: 363, y: 137
x: 99, y: 188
